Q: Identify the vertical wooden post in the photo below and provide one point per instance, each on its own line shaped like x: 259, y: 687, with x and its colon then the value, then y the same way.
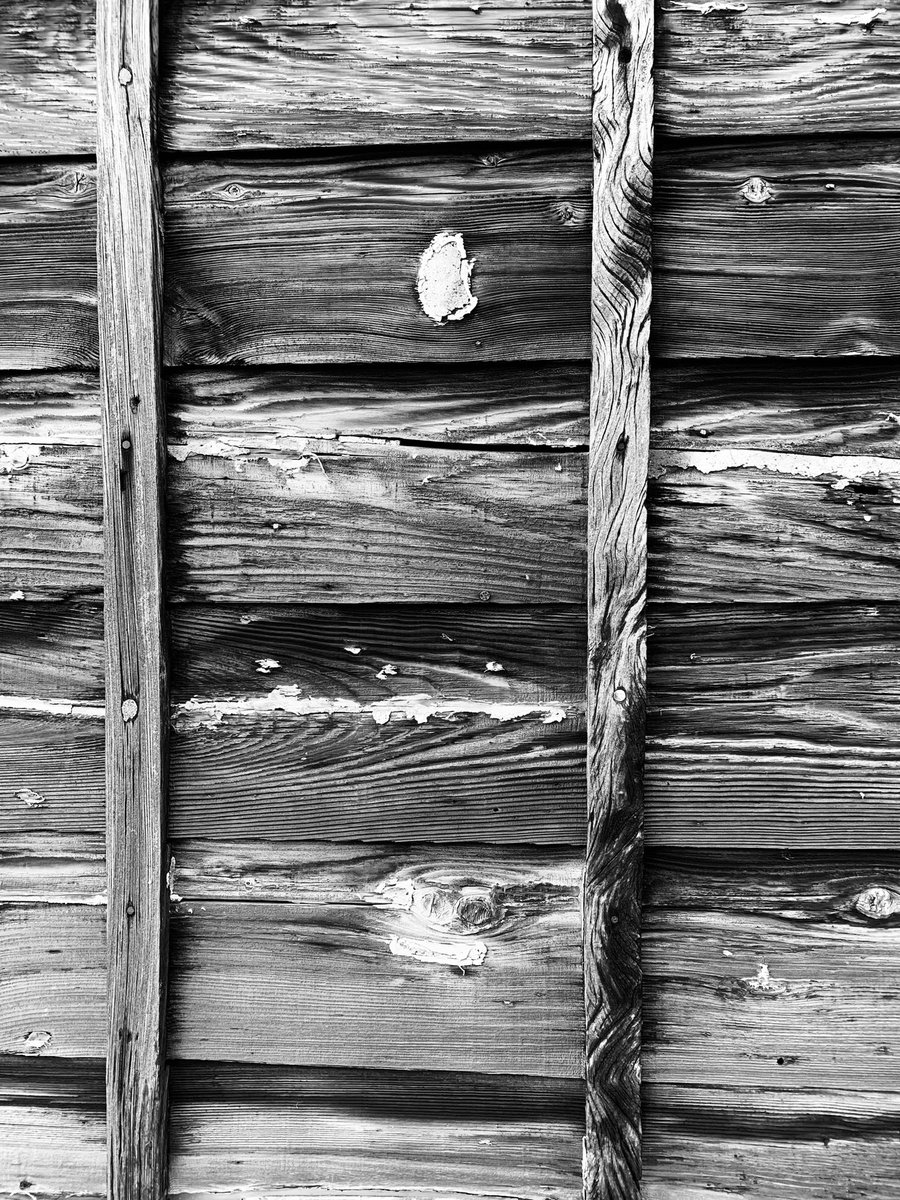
x: 129, y: 283
x: 617, y: 556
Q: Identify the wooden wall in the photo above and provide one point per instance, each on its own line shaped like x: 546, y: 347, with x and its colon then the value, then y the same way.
x: 376, y: 533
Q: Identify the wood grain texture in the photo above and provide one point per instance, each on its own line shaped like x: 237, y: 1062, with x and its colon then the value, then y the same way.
x: 751, y: 252
x: 129, y: 269
x: 316, y: 260
x: 48, y: 307
x: 813, y: 67
x: 617, y: 562
x: 378, y: 956
x: 491, y: 404
x: 47, y: 77
x: 839, y: 406
x: 398, y: 1133
x: 264, y: 75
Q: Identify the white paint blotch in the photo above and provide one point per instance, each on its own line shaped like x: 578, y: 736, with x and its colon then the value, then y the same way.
x: 763, y: 983
x: 52, y: 708
x: 30, y: 798
x: 353, y: 649
x: 265, y: 666
x: 444, y: 278
x: 449, y: 954
x: 387, y: 670
x: 18, y: 594
x: 862, y: 17
x: 129, y: 709
x: 709, y: 8
x: 494, y: 667
x: 17, y: 456
x: 849, y: 468
x: 37, y: 1041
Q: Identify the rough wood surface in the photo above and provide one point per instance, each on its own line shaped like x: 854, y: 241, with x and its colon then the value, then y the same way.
x: 751, y: 251
x: 261, y: 74
x: 48, y: 266
x: 129, y: 269
x: 617, y: 562
x: 402, y: 1133
x: 246, y: 285
x: 47, y: 77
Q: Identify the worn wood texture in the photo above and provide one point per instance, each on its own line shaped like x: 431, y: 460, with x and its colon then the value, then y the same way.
x: 395, y: 1133
x: 265, y: 75
x: 48, y: 268
x: 245, y: 285
x: 617, y: 562
x: 47, y: 77
x: 129, y: 268
x: 751, y: 250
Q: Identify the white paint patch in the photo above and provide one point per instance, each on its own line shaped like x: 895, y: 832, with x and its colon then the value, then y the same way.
x: 444, y: 278
x: 763, y: 983
x: 265, y: 666
x: 353, y: 649
x: 419, y: 707
x: 449, y: 954
x: 18, y: 594
x: 129, y: 709
x: 494, y: 667
x: 387, y: 670
x: 707, y: 9
x: 52, y: 708
x: 17, y: 456
x: 860, y: 17
x: 30, y: 798
x: 37, y: 1041
x: 848, y: 467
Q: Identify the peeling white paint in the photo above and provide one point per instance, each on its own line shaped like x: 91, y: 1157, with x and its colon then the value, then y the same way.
x: 353, y: 649
x: 265, y: 666
x: 18, y: 594
x: 848, y: 467
x: 98, y: 900
x: 763, y: 982
x: 450, y: 954
x: 37, y: 1041
x: 443, y: 281
x: 170, y: 882
x: 18, y: 456
x: 30, y: 798
x: 708, y: 8
x: 387, y: 670
x: 418, y: 707
x: 860, y: 17
x: 52, y: 708
x: 494, y: 667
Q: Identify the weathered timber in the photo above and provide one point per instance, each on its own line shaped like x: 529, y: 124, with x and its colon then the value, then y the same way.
x: 812, y: 67
x: 333, y: 775
x: 412, y: 958
x: 52, y: 652
x: 368, y: 653
x: 47, y: 77
x: 622, y: 121
x: 845, y: 406
x: 773, y: 248
x: 704, y: 1143
x: 494, y: 404
x: 404, y: 1133
x: 320, y: 521
x: 775, y: 527
x: 286, y: 75
x: 48, y: 308
x: 129, y: 270
x: 772, y: 971
x: 317, y: 260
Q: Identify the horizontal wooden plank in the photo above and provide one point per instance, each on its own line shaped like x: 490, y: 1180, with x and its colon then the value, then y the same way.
x: 776, y: 248
x: 52, y: 651
x: 714, y: 1143
x: 772, y: 971
x: 829, y: 406
x: 285, y: 75
x: 409, y: 1133
x: 318, y: 260
x: 47, y: 77
x: 811, y: 67
x: 48, y: 304
x: 518, y: 404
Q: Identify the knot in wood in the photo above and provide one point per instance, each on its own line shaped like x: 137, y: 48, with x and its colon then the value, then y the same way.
x: 125, y: 76
x: 878, y: 903
x: 757, y: 191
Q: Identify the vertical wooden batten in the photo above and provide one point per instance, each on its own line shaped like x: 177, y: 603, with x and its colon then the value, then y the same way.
x: 622, y: 130
x: 129, y: 277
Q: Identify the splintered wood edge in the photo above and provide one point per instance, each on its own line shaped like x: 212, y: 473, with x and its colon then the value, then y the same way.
x: 129, y: 286
x: 617, y: 560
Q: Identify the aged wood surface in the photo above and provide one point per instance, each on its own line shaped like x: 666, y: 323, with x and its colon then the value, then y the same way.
x: 262, y: 74
x: 617, y: 560
x: 751, y: 249
x: 244, y: 285
x: 48, y: 266
x: 47, y: 77
x: 129, y: 269
x: 373, y: 1132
